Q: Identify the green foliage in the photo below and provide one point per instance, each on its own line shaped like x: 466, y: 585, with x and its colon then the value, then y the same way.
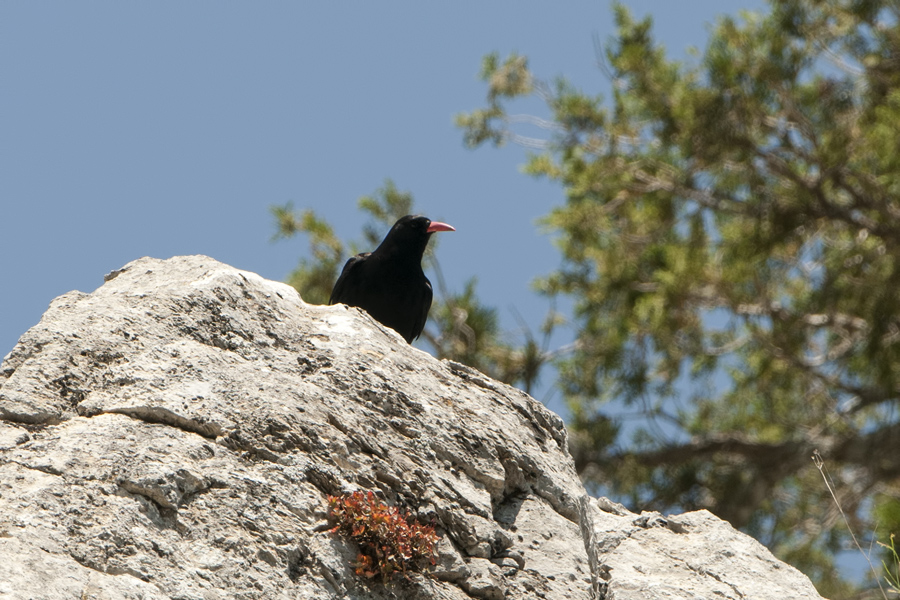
x: 508, y: 80
x: 389, y: 542
x: 731, y: 241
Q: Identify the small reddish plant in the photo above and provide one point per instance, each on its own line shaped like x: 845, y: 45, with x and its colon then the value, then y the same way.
x: 389, y: 541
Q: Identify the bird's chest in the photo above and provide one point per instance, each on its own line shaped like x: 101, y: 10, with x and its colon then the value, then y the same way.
x: 396, y: 286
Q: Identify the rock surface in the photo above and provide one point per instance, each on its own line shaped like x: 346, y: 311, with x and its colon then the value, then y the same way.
x: 685, y: 557
x: 175, y: 433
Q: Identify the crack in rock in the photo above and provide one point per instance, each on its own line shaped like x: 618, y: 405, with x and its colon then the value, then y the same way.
x: 159, y: 415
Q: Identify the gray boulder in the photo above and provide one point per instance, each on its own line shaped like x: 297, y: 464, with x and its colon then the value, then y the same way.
x: 175, y: 433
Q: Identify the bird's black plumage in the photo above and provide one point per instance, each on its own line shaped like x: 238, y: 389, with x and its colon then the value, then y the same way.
x: 388, y: 283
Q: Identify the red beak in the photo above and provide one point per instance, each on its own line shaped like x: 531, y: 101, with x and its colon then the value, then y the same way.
x: 438, y: 226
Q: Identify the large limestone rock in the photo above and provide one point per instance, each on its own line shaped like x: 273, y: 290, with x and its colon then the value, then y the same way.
x: 174, y: 434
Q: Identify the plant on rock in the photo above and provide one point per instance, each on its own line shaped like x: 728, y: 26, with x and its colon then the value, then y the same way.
x: 389, y: 541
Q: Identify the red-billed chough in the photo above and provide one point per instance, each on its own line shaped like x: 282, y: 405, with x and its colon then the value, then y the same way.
x: 389, y: 283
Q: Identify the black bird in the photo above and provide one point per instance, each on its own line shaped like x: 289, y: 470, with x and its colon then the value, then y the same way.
x: 389, y: 283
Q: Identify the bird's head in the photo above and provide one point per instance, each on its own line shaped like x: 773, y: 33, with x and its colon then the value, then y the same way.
x: 410, y: 234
